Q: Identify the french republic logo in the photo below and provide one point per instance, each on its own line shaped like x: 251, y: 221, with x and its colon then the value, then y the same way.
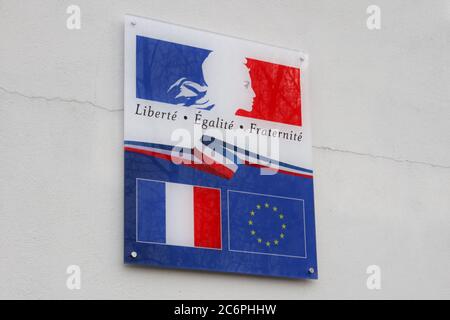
x: 183, y: 75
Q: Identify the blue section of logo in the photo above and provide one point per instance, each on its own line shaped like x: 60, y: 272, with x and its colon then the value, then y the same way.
x: 240, y: 253
x: 266, y: 224
x: 171, y: 73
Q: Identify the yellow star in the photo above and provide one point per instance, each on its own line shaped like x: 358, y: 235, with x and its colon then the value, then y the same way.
x: 253, y: 232
x: 268, y: 243
x: 281, y: 216
x: 275, y: 209
x: 252, y: 213
x: 250, y: 222
x: 284, y: 226
x: 258, y: 206
x: 267, y: 205
x: 260, y: 240
x: 276, y: 242
x: 282, y: 236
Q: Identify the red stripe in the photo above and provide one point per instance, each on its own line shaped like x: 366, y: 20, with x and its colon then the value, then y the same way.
x: 215, y: 168
x: 211, y: 166
x: 207, y: 226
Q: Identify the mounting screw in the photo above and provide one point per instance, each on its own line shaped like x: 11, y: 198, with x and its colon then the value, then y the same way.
x: 134, y: 255
x: 133, y: 23
x: 311, y: 271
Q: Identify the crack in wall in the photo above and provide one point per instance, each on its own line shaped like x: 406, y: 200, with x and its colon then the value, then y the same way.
x: 375, y: 156
x: 324, y: 148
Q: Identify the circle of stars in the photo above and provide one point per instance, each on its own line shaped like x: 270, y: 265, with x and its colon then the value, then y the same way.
x: 259, y: 209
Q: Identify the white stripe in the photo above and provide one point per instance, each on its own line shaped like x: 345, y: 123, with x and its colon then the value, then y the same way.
x: 179, y: 215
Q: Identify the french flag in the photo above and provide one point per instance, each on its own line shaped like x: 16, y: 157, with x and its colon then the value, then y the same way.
x: 178, y: 215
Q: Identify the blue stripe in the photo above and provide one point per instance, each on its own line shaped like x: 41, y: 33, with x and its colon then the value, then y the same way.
x: 150, y: 145
x: 151, y: 211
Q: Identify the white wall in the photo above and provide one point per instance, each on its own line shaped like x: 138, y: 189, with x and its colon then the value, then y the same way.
x: 381, y: 133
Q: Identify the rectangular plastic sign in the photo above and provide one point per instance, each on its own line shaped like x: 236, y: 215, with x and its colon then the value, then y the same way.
x: 218, y: 155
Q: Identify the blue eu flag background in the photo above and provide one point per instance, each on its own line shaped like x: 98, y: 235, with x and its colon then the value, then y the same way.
x: 264, y: 224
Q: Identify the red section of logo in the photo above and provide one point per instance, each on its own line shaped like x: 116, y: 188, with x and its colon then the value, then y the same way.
x: 278, y: 95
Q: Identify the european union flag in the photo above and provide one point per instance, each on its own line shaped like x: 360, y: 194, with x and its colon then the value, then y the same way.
x: 265, y: 224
